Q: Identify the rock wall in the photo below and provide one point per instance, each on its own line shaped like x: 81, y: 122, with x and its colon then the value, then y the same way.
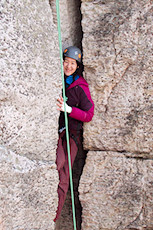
x: 118, y: 65
x: 30, y: 82
x: 116, y: 192
x: 28, y: 197
x: 116, y: 185
x: 70, y: 20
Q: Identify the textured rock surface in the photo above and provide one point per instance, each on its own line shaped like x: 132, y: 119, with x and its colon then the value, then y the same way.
x: 27, y: 192
x: 30, y: 82
x: 70, y: 16
x: 117, y: 45
x: 116, y: 192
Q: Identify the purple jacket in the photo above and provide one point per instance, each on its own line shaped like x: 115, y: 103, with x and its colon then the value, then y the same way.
x: 79, y: 99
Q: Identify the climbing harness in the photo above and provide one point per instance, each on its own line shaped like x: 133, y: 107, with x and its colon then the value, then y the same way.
x: 66, y: 119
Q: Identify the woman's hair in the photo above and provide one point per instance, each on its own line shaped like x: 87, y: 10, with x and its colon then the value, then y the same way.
x: 79, y: 70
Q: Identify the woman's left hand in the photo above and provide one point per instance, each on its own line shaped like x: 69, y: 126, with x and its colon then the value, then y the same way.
x: 60, y: 105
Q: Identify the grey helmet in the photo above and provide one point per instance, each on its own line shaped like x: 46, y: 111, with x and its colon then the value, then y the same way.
x: 73, y: 52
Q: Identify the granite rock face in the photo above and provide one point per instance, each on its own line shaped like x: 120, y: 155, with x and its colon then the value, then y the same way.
x: 70, y: 15
x: 116, y: 185
x: 117, y: 46
x: 116, y: 192
x: 30, y: 79
x: 30, y: 83
x: 27, y: 192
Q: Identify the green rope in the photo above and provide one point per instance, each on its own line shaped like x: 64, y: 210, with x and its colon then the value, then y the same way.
x: 66, y: 119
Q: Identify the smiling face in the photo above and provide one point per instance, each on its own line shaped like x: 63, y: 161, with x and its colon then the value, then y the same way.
x: 70, y: 66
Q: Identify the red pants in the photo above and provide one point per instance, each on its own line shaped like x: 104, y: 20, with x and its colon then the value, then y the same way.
x: 62, y: 165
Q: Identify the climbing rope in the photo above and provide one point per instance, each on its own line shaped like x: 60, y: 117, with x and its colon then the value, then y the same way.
x: 66, y: 119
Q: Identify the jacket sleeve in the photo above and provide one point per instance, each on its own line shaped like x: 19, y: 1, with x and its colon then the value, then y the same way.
x: 85, y: 109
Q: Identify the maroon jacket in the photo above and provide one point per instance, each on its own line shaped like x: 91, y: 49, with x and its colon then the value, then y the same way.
x: 79, y: 99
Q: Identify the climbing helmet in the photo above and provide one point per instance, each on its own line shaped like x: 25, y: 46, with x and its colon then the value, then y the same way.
x: 73, y: 52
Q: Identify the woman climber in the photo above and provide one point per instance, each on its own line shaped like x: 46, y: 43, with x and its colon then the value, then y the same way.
x: 80, y: 108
